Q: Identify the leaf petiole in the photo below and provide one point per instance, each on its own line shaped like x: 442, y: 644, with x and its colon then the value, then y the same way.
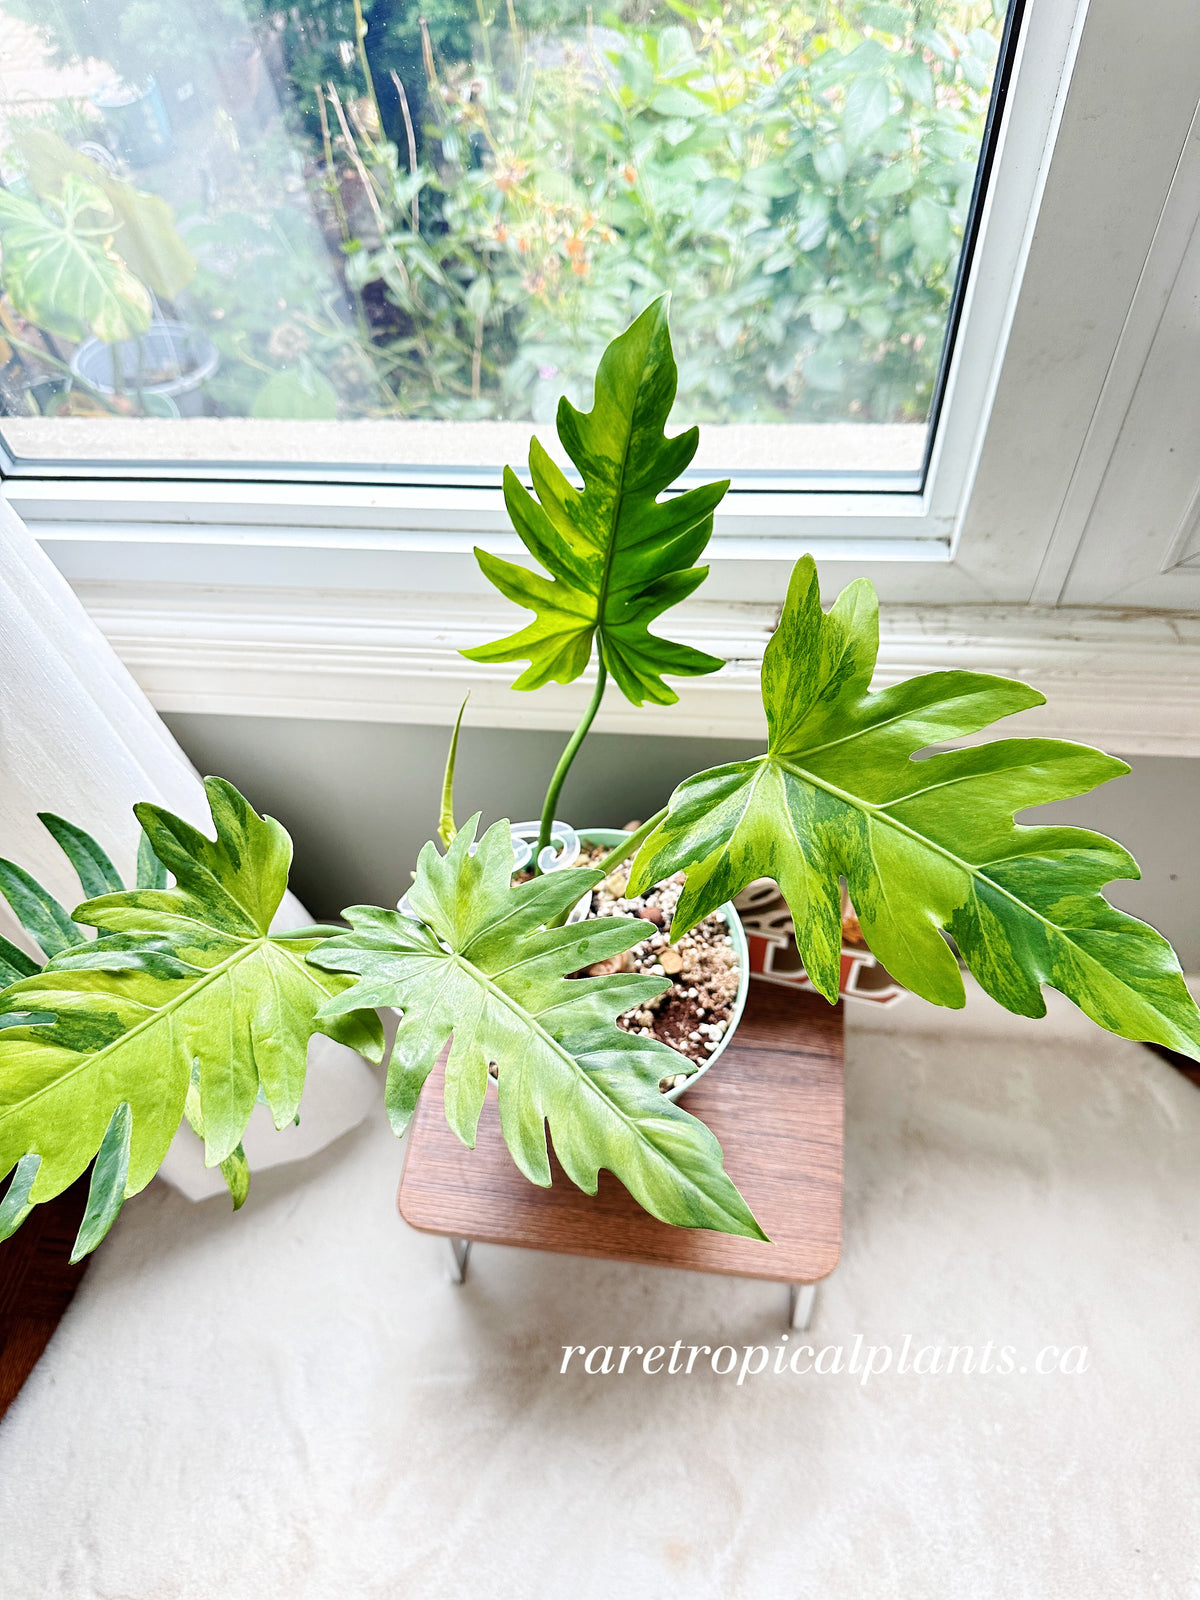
x: 628, y: 847
x: 565, y: 760
x: 619, y: 853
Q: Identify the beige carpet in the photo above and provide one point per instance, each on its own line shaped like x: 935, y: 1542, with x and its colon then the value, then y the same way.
x: 295, y: 1403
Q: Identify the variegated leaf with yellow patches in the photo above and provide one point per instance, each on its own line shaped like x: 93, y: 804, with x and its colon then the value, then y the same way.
x: 98, y: 1050
x: 486, y: 968
x: 925, y: 846
x: 617, y: 555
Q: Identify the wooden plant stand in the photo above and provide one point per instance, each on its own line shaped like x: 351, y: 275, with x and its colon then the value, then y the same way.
x: 774, y: 1101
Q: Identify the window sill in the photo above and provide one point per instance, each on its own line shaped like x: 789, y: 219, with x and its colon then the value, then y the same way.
x: 236, y: 448
x: 1125, y: 680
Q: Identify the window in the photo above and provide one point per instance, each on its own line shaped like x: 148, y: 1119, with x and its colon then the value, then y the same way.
x: 1036, y: 451
x: 359, y: 238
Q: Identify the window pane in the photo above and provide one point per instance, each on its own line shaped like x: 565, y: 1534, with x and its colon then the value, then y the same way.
x: 241, y: 233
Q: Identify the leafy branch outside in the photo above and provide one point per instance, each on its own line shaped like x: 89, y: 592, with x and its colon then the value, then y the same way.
x: 452, y: 220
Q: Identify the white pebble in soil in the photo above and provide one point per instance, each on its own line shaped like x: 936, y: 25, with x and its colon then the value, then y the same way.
x: 704, y: 960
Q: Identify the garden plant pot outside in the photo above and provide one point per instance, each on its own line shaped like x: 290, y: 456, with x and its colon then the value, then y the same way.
x: 46, y: 391
x: 137, y: 119
x: 610, y: 837
x: 165, y: 344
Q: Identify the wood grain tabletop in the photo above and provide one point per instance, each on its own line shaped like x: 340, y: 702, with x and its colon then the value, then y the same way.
x: 774, y: 1100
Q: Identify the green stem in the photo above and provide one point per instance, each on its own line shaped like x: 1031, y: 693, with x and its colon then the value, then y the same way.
x: 631, y: 845
x: 58, y: 364
x: 617, y: 854
x: 567, y: 757
x: 360, y: 36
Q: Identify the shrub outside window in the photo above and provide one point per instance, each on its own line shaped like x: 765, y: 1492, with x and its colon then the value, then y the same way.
x: 268, y: 221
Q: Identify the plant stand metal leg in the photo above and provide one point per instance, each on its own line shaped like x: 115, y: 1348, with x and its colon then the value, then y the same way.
x: 802, y: 1298
x: 460, y: 1251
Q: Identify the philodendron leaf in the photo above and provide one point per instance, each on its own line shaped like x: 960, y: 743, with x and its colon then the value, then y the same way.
x: 151, y: 874
x: 93, y: 868
x: 44, y: 919
x: 924, y: 845
x: 483, y: 967
x: 617, y: 556
x: 39, y: 913
x: 178, y: 976
x: 14, y: 963
x: 17, y: 1205
x: 106, y: 1192
x: 235, y: 1169
x: 59, y: 268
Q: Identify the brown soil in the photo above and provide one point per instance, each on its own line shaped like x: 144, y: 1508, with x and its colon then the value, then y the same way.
x: 693, y: 1014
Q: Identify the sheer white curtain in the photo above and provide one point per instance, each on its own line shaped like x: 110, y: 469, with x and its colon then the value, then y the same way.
x: 78, y: 737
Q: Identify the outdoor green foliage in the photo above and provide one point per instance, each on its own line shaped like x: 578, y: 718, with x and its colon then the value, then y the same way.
x: 483, y: 967
x: 60, y: 271
x: 924, y: 845
x: 143, y: 230
x: 184, y: 1004
x: 617, y: 555
x: 172, y: 40
x: 316, y: 36
x: 798, y: 177
x: 265, y: 295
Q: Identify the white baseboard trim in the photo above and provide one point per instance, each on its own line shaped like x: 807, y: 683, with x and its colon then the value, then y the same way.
x: 1128, y: 681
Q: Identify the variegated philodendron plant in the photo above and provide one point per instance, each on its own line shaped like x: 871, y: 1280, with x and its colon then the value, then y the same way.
x: 187, y: 1006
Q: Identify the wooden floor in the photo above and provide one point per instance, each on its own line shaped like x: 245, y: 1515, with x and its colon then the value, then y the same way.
x: 37, y: 1282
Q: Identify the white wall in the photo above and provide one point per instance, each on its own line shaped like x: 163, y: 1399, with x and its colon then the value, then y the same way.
x: 361, y: 798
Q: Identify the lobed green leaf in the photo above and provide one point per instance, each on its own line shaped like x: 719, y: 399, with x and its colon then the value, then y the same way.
x: 485, y: 969
x: 14, y: 963
x: 106, y: 1192
x: 98, y: 1050
x: 926, y: 847
x: 93, y: 868
x: 618, y: 557
x: 39, y: 913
